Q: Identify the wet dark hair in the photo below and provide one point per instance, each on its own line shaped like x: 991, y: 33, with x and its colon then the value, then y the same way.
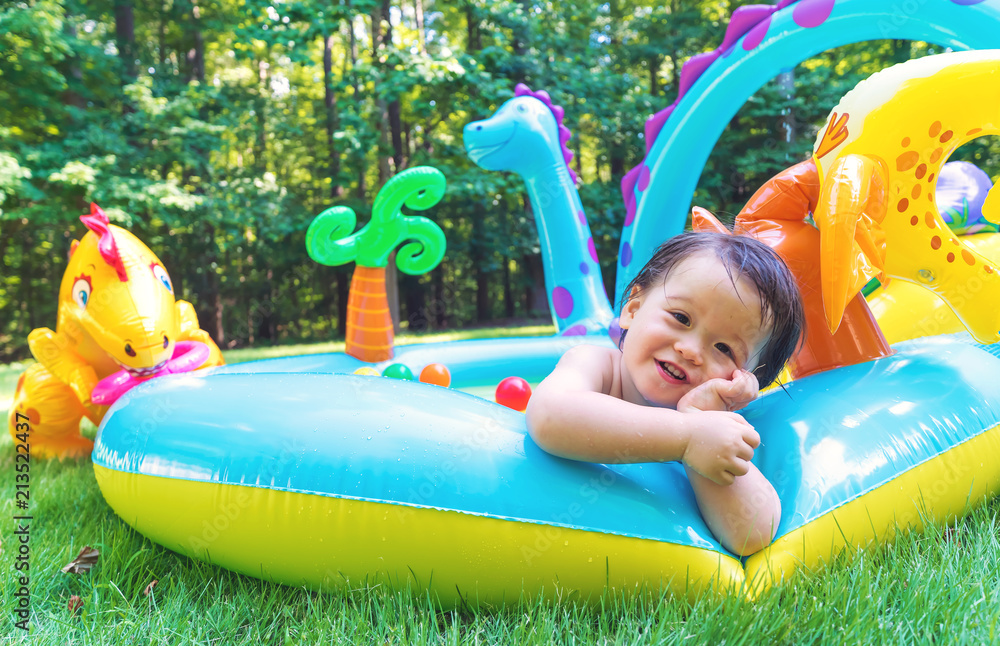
x: 780, y: 301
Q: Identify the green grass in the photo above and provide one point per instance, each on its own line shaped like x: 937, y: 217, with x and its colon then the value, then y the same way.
x: 940, y: 585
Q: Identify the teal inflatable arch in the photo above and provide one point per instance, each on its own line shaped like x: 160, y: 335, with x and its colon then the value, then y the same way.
x: 761, y: 42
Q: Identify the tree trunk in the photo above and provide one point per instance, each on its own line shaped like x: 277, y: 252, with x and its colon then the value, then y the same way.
x: 357, y: 158
x: 389, y: 110
x: 536, y: 301
x: 508, y: 290
x: 521, y: 33
x: 369, y: 331
x: 418, y: 12
x: 217, y: 311
x: 477, y: 254
x: 260, y: 153
x: 438, y: 310
x: 125, y: 40
x: 381, y: 107
x: 396, y: 128
x: 161, y: 41
x: 332, y: 118
x: 472, y: 28
x: 196, y: 54
x: 343, y: 294
x: 786, y: 122
x: 73, y: 73
x: 484, y: 309
x: 266, y: 327
x: 414, y: 299
x: 395, y: 110
x: 27, y: 274
x: 392, y: 291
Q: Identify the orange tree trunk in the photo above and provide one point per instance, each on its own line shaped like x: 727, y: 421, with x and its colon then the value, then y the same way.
x: 369, y: 324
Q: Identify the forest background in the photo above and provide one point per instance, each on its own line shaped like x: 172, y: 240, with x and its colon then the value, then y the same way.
x: 215, y: 130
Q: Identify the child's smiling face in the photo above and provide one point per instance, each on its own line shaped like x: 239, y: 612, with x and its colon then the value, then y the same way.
x: 698, y: 324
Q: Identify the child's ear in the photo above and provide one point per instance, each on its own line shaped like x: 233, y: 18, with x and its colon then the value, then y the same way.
x: 631, y: 307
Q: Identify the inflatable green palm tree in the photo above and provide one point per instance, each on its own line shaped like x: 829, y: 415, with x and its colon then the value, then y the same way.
x: 330, y: 241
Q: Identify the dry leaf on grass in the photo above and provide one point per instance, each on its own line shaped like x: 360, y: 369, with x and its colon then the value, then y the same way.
x: 86, y: 559
x: 75, y: 603
x: 149, y: 588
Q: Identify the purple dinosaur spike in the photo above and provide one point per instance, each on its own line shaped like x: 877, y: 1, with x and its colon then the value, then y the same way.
x: 742, y: 21
x: 557, y: 111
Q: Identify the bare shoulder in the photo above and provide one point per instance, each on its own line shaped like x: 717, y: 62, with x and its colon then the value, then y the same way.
x: 585, y: 367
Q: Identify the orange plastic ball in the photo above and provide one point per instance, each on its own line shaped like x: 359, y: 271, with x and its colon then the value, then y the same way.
x: 437, y: 374
x: 513, y: 392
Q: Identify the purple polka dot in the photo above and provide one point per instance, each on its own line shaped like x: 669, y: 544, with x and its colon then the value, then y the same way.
x: 575, y: 330
x: 625, y: 255
x: 592, y: 249
x: 562, y: 300
x: 643, y: 182
x: 615, y: 331
x: 967, y: 3
x: 812, y: 13
x: 629, y: 212
x: 583, y: 216
x: 584, y: 269
x: 756, y: 34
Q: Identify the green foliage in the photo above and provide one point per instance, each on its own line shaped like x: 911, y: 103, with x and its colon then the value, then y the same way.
x: 233, y: 133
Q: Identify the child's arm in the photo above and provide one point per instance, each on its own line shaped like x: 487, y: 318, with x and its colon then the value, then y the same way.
x: 571, y: 414
x: 745, y: 514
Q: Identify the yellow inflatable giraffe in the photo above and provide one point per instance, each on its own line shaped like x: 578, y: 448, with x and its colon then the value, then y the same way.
x: 878, y: 158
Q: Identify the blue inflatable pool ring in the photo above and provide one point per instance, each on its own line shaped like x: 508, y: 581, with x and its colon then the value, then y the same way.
x: 327, y: 479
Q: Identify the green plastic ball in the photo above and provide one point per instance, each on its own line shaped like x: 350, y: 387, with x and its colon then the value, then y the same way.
x: 397, y: 371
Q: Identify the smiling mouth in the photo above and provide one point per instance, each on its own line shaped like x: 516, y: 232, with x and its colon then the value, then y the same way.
x: 477, y: 153
x: 145, y: 372
x: 672, y: 371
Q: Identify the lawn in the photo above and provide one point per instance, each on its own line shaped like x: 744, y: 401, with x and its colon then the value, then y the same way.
x: 939, y: 585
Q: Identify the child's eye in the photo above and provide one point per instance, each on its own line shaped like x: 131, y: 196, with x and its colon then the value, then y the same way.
x: 681, y: 317
x: 724, y: 349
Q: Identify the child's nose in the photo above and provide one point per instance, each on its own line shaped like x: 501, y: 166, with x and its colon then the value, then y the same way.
x: 690, y: 350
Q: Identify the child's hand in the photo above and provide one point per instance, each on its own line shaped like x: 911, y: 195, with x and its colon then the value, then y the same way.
x: 721, y: 394
x: 720, y: 445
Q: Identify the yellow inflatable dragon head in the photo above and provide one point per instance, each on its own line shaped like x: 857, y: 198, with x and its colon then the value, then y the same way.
x: 116, y: 300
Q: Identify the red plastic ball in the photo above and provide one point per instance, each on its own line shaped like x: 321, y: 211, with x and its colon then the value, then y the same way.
x: 437, y: 374
x: 513, y: 392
